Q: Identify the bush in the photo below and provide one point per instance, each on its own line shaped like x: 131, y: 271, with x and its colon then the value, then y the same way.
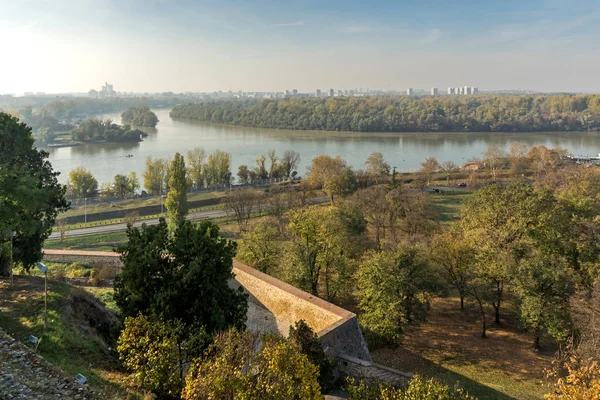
x: 418, y: 388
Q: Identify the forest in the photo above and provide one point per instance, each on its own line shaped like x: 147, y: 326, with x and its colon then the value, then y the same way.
x: 481, y: 113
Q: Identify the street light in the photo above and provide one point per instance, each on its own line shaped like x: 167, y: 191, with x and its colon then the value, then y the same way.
x: 44, y: 269
x: 85, y: 209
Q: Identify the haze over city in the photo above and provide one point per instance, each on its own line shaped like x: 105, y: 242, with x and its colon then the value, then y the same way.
x: 154, y: 46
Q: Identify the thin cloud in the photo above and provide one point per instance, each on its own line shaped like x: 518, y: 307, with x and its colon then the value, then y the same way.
x: 288, y: 24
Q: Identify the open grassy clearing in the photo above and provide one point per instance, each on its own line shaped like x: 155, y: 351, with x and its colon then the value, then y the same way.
x: 447, y: 204
x: 448, y: 346
x: 71, y: 342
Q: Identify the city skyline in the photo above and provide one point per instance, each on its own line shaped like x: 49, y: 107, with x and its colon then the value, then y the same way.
x: 206, y: 46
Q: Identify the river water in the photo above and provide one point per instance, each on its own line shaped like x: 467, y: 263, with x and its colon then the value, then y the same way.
x: 403, y: 150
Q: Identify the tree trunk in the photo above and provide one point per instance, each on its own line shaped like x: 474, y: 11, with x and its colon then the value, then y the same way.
x: 497, y: 303
x: 536, y: 342
x: 4, y: 266
x: 482, y: 313
x: 462, y: 302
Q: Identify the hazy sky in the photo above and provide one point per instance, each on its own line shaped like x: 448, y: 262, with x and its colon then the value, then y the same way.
x: 171, y: 45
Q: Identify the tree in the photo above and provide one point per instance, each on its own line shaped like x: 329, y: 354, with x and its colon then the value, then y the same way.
x: 139, y: 116
x: 391, y: 291
x: 376, y: 209
x: 331, y: 175
x: 82, y: 183
x: 411, y: 213
x: 290, y: 162
x: 324, y: 242
x: 217, y: 170
x: 545, y: 285
x: 30, y: 195
x: 309, y: 344
x: 176, y: 202
x: 494, y: 159
x: 150, y: 349
x: 260, y: 246
x: 582, y: 380
x: 517, y: 159
x: 121, y: 186
x: 272, y: 165
x: 417, y: 388
x: 61, y: 224
x: 233, y: 369
x: 156, y: 175
x: 450, y: 168
x: 455, y: 256
x: 428, y: 168
x: 377, y: 168
x: 190, y: 284
x: 195, y: 160
x: 240, y: 203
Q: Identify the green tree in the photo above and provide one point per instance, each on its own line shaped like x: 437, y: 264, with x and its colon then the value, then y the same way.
x: 190, y: 285
x: 417, y: 388
x: 309, y: 344
x: 195, y: 160
x: 261, y: 246
x: 331, y: 175
x: 176, y: 203
x: 545, y: 285
x: 290, y: 162
x: 392, y: 290
x: 82, y: 183
x: 139, y: 116
x: 156, y: 175
x: 217, y: 170
x: 30, y: 195
x: 324, y: 242
x: 121, y: 186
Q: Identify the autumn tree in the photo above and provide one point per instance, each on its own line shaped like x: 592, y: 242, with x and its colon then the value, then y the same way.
x: 450, y: 169
x: 428, y: 168
x: 82, y: 183
x: 217, y: 170
x: 331, y: 175
x: 176, y: 202
x: 494, y: 159
x: 233, y: 369
x: 517, y: 159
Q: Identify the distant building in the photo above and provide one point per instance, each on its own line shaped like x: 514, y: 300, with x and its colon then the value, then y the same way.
x: 475, y: 90
x: 28, y: 94
x: 460, y: 90
x: 434, y: 91
x: 318, y: 93
x: 450, y: 90
x: 287, y: 93
x: 467, y: 90
x: 295, y: 92
x: 93, y: 94
x: 331, y: 93
x: 409, y: 92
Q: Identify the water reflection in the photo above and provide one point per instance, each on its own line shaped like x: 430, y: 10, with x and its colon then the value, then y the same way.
x: 405, y: 150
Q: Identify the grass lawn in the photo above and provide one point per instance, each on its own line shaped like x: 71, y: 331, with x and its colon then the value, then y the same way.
x: 448, y: 204
x: 69, y: 342
x: 133, y: 204
x: 101, y: 242
x: 448, y: 346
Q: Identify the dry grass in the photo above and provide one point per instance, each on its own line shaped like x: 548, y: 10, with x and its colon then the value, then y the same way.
x: 449, y: 347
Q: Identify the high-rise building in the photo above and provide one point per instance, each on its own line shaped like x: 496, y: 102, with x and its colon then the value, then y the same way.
x: 295, y: 92
x: 331, y: 92
x: 450, y: 90
x: 475, y: 90
x: 460, y: 90
x: 318, y: 93
x: 287, y: 92
x: 409, y: 92
x: 434, y: 91
x: 467, y: 90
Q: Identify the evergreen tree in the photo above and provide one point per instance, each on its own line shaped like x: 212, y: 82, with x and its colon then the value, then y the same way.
x: 176, y: 202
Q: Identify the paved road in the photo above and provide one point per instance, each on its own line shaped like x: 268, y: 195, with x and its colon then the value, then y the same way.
x: 112, y: 228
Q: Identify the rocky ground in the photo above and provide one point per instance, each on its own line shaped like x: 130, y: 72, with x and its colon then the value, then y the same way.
x: 26, y: 375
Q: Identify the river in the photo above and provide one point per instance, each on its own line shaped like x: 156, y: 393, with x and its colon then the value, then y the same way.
x: 403, y: 150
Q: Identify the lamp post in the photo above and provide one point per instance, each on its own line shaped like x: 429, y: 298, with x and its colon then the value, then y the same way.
x: 44, y: 269
x: 85, y: 209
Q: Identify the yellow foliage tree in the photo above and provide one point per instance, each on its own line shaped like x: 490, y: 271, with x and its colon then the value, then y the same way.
x: 582, y: 381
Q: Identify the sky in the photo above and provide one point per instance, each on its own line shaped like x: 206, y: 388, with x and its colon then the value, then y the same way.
x: 59, y: 46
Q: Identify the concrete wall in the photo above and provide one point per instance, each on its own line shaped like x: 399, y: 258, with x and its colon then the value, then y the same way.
x: 357, y: 368
x: 91, y: 258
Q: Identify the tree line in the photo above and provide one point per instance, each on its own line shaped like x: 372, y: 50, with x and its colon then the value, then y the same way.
x: 482, y: 113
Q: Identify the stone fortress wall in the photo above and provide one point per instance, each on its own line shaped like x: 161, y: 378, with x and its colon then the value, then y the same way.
x: 274, y: 306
